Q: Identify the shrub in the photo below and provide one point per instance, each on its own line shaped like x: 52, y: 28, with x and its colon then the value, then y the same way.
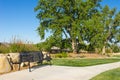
x: 58, y: 55
x: 4, y: 49
x: 108, y: 52
x: 98, y: 50
x: 61, y: 55
x: 16, y: 47
x: 31, y: 47
x: 20, y: 47
x: 64, y: 55
x: 115, y: 48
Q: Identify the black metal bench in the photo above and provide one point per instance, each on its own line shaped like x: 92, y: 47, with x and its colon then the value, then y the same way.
x: 31, y: 57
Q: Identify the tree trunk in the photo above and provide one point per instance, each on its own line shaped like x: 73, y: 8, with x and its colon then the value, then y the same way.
x: 103, y: 50
x: 74, y: 46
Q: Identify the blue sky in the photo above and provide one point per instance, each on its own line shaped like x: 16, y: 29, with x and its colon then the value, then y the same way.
x: 18, y: 19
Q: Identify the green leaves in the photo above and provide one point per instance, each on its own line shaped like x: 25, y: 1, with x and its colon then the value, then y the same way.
x: 84, y: 20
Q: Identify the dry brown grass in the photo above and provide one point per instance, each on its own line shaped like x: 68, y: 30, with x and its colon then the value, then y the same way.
x: 83, y: 55
x: 86, y: 55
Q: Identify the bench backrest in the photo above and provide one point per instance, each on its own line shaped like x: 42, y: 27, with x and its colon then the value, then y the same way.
x: 31, y: 56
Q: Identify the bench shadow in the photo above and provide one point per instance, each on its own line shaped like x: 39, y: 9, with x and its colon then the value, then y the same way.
x: 39, y: 66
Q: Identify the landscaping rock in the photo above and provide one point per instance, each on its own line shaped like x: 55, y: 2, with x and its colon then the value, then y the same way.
x: 15, y: 57
x: 4, y: 64
x: 32, y: 64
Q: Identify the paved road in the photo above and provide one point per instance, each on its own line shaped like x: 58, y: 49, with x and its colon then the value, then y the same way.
x: 59, y: 72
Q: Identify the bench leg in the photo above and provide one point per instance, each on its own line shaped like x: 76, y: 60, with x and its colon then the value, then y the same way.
x: 19, y: 66
x: 29, y: 66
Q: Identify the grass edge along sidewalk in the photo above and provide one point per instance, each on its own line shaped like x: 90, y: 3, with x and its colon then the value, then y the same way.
x: 83, y: 62
x: 113, y: 74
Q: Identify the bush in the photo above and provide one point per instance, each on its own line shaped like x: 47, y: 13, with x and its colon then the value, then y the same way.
x: 64, y: 55
x: 20, y: 47
x: 4, y: 49
x: 98, y: 50
x: 115, y: 48
x: 61, y: 55
x: 108, y: 52
x: 17, y: 46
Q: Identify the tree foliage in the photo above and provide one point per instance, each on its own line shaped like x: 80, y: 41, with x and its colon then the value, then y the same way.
x: 50, y: 42
x: 103, y: 28
x: 82, y: 20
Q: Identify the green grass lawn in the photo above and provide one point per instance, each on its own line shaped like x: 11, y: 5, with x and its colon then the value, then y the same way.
x: 108, y: 75
x: 83, y: 62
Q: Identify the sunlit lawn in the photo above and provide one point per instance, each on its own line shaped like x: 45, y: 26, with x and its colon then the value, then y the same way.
x: 108, y: 75
x: 83, y: 62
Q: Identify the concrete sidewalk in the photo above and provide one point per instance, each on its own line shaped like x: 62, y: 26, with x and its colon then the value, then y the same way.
x: 59, y: 72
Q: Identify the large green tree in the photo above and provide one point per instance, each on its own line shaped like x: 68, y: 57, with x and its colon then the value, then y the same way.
x: 107, y: 28
x: 66, y: 18
x: 103, y: 29
x: 111, y: 27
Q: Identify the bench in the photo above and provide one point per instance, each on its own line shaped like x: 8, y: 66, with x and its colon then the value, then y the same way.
x: 29, y: 57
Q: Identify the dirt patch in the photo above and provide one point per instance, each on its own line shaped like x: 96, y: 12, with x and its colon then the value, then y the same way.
x: 86, y: 55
